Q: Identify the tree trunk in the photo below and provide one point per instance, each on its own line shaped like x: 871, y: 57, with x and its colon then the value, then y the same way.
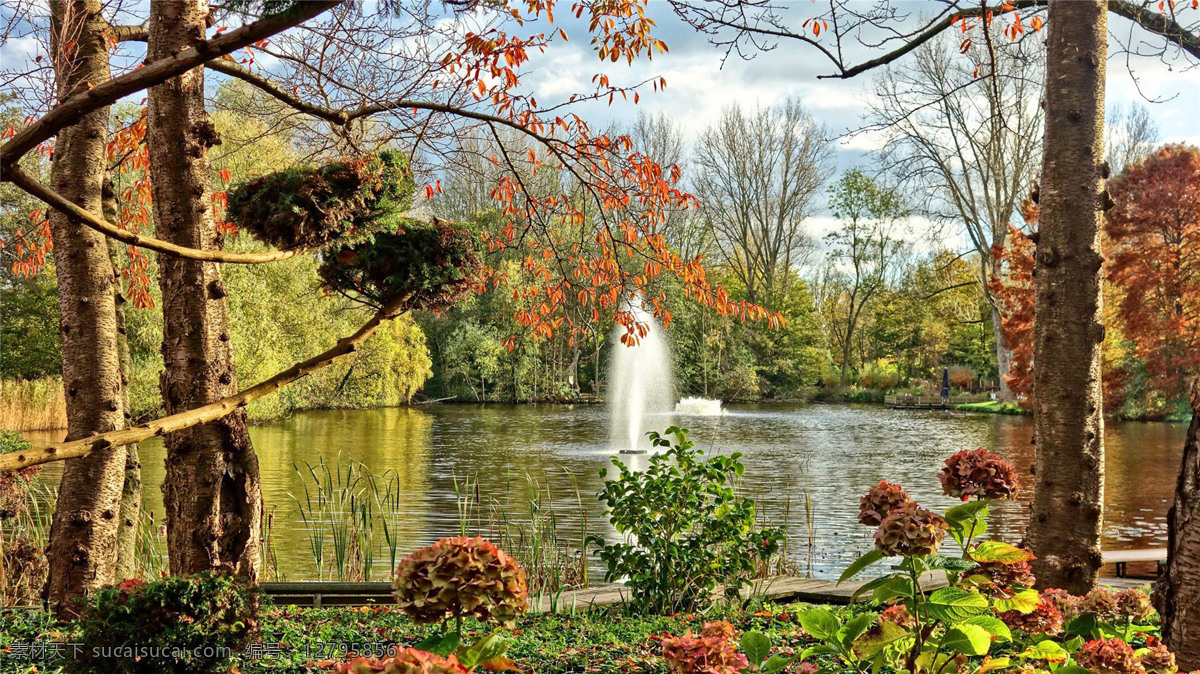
x: 211, y: 490
x: 83, y: 536
x: 1065, y: 517
x: 1177, y: 592
x: 130, y: 514
x: 1003, y: 356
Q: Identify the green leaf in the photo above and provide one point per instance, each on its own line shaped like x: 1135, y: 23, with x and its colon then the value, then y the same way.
x: 994, y: 664
x: 776, y: 663
x: 859, y: 564
x: 488, y: 648
x: 871, y: 585
x: 993, y: 625
x: 1003, y: 553
x: 1082, y: 625
x: 876, y: 640
x: 897, y: 586
x: 1024, y: 601
x: 950, y: 604
x: 951, y: 564
x: 819, y: 649
x: 1045, y: 650
x: 1072, y: 669
x: 440, y: 644
x: 968, y: 511
x: 756, y: 646
x: 967, y: 639
x: 819, y: 623
x: 854, y: 627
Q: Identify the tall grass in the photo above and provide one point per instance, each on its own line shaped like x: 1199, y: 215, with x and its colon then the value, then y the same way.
x: 354, y: 518
x: 32, y: 405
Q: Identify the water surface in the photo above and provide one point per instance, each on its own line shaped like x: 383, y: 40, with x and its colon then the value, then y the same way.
x: 822, y: 455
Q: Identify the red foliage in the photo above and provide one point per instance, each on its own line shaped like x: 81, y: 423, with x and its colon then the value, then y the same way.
x: 1154, y: 234
x: 1013, y: 290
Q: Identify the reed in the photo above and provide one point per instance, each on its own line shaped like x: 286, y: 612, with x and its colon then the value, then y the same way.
x: 33, y: 404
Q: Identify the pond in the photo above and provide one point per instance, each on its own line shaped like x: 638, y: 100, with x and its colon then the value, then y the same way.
x: 805, y: 464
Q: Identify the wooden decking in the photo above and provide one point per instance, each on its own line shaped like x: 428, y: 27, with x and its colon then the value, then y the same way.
x: 930, y: 402
x: 1122, y: 558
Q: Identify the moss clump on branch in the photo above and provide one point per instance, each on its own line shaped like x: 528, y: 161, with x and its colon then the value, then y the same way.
x: 343, y: 201
x: 435, y: 261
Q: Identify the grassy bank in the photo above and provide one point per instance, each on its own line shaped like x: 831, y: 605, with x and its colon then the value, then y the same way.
x: 308, y: 640
x: 32, y: 405
x: 994, y: 407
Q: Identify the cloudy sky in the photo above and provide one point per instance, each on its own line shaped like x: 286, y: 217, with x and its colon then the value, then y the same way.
x: 700, y: 82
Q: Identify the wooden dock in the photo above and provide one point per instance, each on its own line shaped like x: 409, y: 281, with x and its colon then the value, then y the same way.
x: 930, y: 402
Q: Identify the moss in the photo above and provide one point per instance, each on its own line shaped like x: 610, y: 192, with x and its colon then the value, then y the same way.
x: 343, y: 202
x: 435, y: 261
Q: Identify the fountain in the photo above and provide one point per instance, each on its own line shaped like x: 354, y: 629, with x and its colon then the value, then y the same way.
x: 699, y: 407
x: 640, y: 383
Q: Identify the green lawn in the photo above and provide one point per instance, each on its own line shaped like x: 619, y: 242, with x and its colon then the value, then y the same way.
x: 993, y: 407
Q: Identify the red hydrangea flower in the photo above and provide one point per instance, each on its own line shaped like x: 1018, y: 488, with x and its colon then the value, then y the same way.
x: 880, y: 500
x: 1101, y: 603
x: 978, y: 473
x: 1108, y: 656
x: 897, y: 613
x: 910, y: 530
x: 1156, y: 659
x: 1045, y: 619
x: 1066, y: 603
x: 459, y: 577
x: 407, y: 661
x: 713, y: 652
x: 1134, y: 604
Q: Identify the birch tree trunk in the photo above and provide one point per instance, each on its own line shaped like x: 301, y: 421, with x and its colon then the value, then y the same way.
x: 82, y: 553
x: 1065, y: 518
x: 1177, y: 592
x: 211, y: 491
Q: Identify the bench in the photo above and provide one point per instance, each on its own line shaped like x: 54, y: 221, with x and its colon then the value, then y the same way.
x: 1121, y: 558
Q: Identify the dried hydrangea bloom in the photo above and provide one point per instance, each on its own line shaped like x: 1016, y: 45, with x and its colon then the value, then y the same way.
x: 1108, y: 656
x: 880, y: 500
x: 1045, y: 619
x: 978, y: 473
x: 458, y: 577
x: 1066, y: 603
x: 713, y: 652
x: 1156, y: 659
x: 1133, y: 604
x: 910, y: 530
x: 407, y: 661
x: 1101, y: 603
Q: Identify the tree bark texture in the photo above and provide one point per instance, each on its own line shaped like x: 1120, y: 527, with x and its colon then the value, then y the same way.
x: 211, y: 491
x: 1177, y: 592
x: 82, y: 553
x: 1003, y: 356
x: 130, y: 513
x: 1065, y: 518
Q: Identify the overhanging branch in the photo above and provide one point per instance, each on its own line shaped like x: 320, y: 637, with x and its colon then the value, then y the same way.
x: 69, y: 111
x: 89, y: 219
x: 206, y: 413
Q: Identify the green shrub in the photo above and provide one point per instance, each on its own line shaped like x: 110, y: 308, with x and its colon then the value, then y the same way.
x: 436, y: 262
x: 177, y: 624
x: 687, y: 531
x: 344, y: 201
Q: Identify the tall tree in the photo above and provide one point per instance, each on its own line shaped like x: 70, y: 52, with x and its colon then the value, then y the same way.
x: 1154, y: 258
x: 211, y: 492
x: 1068, y: 499
x: 757, y: 174
x: 966, y: 133
x: 1130, y: 134
x: 863, y: 254
x: 1177, y: 592
x: 83, y: 547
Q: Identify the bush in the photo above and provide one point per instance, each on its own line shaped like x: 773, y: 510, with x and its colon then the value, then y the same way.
x: 880, y: 377
x: 962, y: 377
x: 989, y: 618
x: 687, y: 529
x: 344, y: 201
x: 436, y: 262
x: 176, y: 624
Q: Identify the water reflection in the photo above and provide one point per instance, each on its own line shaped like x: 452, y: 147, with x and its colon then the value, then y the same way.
x: 828, y: 454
